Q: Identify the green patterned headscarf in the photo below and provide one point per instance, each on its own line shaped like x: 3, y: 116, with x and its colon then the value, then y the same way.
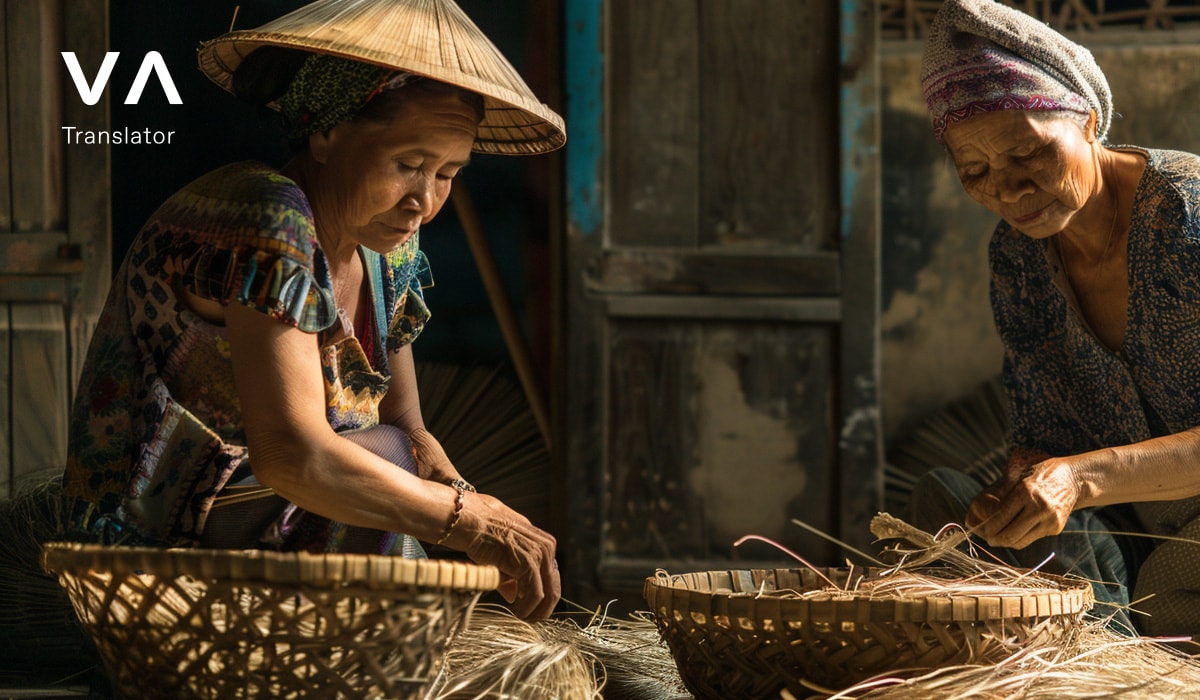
x: 328, y: 90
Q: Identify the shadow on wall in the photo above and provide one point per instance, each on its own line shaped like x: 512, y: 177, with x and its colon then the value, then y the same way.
x: 938, y: 340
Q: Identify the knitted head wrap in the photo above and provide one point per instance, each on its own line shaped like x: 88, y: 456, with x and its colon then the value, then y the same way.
x: 328, y: 90
x: 982, y: 56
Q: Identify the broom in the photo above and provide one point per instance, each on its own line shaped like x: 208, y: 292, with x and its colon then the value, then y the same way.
x: 483, y: 421
x: 40, y: 640
x: 968, y: 434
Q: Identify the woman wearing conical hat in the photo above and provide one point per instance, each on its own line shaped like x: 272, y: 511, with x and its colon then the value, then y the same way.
x: 251, y: 381
x: 1096, y: 296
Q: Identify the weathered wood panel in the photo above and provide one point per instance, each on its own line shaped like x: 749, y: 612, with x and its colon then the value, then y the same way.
x: 718, y: 430
x: 860, y: 432
x: 40, y: 389
x: 5, y: 168
x: 712, y: 308
x: 88, y: 197
x: 652, y: 512
x: 768, y: 111
x: 656, y: 133
x: 717, y: 371
x: 664, y: 271
x: 6, y: 467
x: 720, y: 124
x: 34, y: 31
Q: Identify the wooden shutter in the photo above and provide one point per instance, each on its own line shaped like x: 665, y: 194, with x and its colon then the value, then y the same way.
x: 721, y: 284
x: 54, y: 227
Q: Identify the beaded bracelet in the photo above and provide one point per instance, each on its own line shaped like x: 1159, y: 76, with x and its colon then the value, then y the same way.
x: 459, y: 502
x: 461, y: 484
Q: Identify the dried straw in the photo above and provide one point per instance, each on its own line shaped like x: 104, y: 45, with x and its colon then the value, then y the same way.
x: 1090, y: 661
x: 632, y: 656
x: 499, y: 657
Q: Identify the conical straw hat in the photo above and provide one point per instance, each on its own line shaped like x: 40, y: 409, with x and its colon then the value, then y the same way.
x: 433, y: 38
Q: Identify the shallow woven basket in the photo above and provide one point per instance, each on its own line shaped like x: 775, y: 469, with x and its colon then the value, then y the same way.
x: 216, y: 624
x: 746, y: 634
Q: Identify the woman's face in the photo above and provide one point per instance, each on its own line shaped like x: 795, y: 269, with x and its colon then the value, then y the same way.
x: 380, y: 181
x: 1034, y: 172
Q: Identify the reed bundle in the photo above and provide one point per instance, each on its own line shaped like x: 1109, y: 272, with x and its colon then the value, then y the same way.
x: 499, y: 657
x: 1087, y: 659
x: 631, y: 657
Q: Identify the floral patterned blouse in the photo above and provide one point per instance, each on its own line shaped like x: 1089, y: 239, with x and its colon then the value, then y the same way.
x: 156, y: 430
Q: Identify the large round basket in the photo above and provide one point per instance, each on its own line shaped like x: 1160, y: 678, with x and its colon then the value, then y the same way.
x: 749, y: 634
x: 216, y: 624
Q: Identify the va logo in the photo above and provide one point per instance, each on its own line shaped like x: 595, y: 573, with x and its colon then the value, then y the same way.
x: 90, y: 94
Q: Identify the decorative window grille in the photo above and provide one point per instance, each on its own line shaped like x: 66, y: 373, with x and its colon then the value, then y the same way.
x: 909, y: 19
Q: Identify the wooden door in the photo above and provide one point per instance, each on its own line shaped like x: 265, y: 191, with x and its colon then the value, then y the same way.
x: 54, y: 227
x: 721, y: 286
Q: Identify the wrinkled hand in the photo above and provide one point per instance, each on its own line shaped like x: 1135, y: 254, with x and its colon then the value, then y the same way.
x: 432, y: 462
x: 492, y: 533
x: 1031, y: 501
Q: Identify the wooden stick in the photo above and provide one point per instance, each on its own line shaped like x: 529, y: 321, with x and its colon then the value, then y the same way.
x: 518, y: 347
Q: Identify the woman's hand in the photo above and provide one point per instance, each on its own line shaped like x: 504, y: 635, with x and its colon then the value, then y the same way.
x: 492, y: 533
x: 1032, y: 501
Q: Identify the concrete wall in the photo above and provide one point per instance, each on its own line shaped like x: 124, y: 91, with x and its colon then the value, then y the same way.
x: 938, y: 338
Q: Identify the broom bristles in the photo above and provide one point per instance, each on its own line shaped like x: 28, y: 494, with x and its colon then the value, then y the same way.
x: 481, y: 417
x: 969, y: 434
x: 39, y: 635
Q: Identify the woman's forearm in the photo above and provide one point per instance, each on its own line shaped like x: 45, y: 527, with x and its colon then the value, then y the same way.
x: 1165, y: 468
x: 343, y: 481
x: 401, y: 406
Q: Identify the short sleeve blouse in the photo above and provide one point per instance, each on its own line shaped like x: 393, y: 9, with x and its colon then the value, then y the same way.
x: 156, y: 429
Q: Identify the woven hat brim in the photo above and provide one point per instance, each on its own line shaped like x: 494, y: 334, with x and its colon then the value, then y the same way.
x: 432, y: 38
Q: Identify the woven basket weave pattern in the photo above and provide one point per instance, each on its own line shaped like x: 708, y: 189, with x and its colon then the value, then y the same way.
x: 347, y: 627
x: 729, y: 641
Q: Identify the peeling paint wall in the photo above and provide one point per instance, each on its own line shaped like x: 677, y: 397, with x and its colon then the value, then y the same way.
x: 735, y: 503
x: 938, y: 338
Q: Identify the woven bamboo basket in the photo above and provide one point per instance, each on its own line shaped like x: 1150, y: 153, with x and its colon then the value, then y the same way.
x: 216, y: 624
x: 749, y: 634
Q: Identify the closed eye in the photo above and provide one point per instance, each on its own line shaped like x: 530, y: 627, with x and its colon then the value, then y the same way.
x: 972, y: 173
x: 1028, y: 156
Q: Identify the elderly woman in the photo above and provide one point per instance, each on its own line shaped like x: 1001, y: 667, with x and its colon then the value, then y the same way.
x: 1096, y: 296
x: 251, y: 381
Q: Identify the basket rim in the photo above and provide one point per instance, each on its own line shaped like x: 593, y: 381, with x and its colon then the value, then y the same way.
x: 667, y: 592
x: 266, y: 566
